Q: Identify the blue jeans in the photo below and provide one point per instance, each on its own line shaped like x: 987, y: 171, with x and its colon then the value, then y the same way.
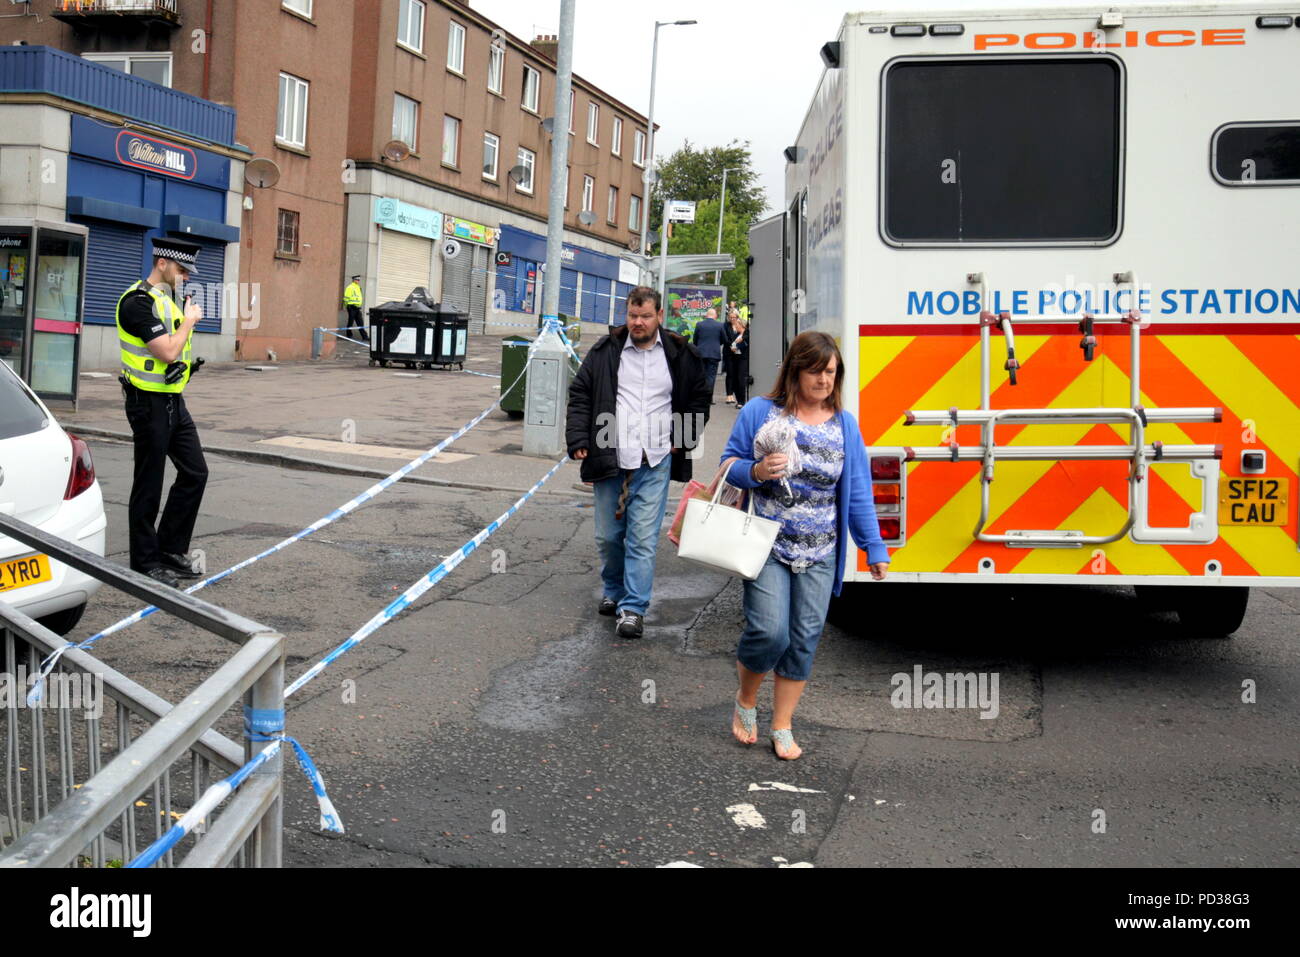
x: 784, y: 617
x: 628, y: 544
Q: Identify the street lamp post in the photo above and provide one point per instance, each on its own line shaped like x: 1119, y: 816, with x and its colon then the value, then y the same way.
x: 650, y: 139
x: 722, y: 208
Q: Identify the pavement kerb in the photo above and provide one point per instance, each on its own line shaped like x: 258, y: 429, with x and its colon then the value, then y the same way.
x: 303, y: 464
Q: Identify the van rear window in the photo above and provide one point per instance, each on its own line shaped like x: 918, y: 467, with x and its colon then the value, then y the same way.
x: 1257, y: 154
x: 19, y: 412
x: 1002, y: 151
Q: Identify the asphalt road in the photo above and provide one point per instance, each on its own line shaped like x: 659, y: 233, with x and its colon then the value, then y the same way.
x: 499, y: 722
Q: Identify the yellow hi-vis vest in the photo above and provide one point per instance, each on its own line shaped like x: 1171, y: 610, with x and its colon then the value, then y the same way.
x: 352, y: 295
x: 139, y: 365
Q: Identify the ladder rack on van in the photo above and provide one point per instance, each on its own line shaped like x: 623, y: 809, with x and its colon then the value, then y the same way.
x: 1202, y: 527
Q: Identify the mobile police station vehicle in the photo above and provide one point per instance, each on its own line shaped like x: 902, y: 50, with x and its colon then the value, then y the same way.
x: 1059, y: 250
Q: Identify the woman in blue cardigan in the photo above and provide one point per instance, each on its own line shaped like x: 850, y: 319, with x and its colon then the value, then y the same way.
x: 786, y: 606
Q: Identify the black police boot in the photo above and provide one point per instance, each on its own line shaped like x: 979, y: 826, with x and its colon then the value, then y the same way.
x: 181, y: 565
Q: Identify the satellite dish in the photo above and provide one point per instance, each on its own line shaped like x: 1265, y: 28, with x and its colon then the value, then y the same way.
x: 548, y: 124
x: 395, y: 151
x: 517, y: 174
x: 634, y: 244
x: 586, y: 217
x: 261, y: 173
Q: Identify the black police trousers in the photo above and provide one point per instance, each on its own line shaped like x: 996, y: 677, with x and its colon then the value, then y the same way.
x: 162, y: 429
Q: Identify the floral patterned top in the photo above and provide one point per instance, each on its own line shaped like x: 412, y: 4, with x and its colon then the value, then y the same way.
x: 808, y: 527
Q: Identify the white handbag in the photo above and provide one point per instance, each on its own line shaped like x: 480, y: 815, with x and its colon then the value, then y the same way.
x: 727, y: 539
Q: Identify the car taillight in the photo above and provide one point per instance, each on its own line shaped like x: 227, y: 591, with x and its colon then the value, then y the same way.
x: 887, y: 494
x: 82, y: 476
x: 886, y: 468
x: 890, y: 529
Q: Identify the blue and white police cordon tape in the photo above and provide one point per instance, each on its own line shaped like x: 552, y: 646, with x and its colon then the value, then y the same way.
x: 253, y: 723
x: 339, y: 335
x: 406, y: 598
x: 258, y: 727
x: 38, y: 687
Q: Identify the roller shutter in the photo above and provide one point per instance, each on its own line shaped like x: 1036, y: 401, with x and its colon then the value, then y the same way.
x: 209, y: 288
x: 456, y: 273
x: 404, y: 262
x: 114, y: 260
x: 478, y: 289
x: 595, y: 299
x: 569, y: 292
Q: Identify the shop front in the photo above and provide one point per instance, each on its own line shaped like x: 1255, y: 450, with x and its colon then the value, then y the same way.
x: 589, y: 280
x: 466, y: 259
x: 408, y: 238
x: 126, y: 188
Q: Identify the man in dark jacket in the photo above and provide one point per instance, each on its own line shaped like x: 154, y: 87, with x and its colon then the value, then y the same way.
x: 708, y: 337
x: 636, y: 407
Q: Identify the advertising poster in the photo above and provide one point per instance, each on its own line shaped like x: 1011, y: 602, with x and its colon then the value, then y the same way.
x: 686, y: 304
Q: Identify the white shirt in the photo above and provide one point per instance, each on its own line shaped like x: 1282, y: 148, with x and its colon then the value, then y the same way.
x: 645, y: 404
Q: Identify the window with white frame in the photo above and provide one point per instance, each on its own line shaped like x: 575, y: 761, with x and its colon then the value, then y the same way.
x: 567, y: 171
x: 405, y: 119
x: 456, y: 48
x: 573, y: 108
x: 638, y: 147
x: 588, y: 193
x: 634, y: 214
x: 527, y: 160
x: 291, y: 117
x: 410, y: 24
x: 155, y: 67
x: 616, y: 147
x: 532, y: 88
x: 298, y: 6
x: 450, y: 141
x: 496, y: 66
x: 593, y: 123
x: 611, y: 213
x: 491, y: 150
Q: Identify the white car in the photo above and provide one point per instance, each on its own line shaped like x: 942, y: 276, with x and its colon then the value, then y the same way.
x: 47, y: 479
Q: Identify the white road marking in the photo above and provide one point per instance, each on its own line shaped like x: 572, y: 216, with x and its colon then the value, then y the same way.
x: 746, y: 815
x: 354, y: 448
x: 782, y: 862
x: 677, y: 864
x: 778, y: 786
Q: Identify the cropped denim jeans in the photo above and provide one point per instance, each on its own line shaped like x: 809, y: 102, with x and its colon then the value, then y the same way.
x: 784, y: 617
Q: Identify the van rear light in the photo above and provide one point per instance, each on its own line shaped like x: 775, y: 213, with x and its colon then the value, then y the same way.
x: 82, y: 476
x: 890, y: 529
x: 887, y: 494
x: 886, y: 468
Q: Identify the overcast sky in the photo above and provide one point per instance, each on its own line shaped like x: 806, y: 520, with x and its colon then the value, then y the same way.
x: 746, y: 71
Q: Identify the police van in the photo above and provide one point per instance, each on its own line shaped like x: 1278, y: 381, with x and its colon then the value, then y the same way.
x: 1059, y: 249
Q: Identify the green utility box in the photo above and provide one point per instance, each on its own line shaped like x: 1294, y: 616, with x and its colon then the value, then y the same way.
x: 514, y: 357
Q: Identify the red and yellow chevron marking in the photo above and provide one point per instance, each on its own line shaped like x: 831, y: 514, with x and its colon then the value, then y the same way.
x: 1251, y: 372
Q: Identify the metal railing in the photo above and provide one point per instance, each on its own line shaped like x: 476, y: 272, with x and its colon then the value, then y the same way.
x: 97, y: 795
x: 167, y: 8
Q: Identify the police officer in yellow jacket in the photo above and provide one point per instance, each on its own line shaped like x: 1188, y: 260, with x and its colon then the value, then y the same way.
x: 155, y: 337
x: 352, y: 299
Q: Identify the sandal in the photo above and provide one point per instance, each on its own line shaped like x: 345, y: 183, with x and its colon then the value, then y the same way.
x: 783, y: 740
x: 748, y: 721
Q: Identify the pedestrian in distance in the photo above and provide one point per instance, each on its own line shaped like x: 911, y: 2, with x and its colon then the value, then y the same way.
x: 737, y: 360
x: 352, y: 300
x: 155, y: 340
x: 786, y: 606
x: 708, y: 338
x: 637, y: 405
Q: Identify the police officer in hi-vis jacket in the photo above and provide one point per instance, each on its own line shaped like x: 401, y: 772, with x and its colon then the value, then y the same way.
x: 155, y: 338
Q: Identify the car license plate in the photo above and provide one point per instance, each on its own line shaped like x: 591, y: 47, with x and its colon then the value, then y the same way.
x: 21, y: 572
x: 1254, y: 501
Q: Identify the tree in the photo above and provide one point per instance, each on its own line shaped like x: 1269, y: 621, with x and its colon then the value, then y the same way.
x: 696, y: 174
x: 701, y: 236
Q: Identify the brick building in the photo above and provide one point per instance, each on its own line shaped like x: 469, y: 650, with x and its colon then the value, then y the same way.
x: 323, y: 90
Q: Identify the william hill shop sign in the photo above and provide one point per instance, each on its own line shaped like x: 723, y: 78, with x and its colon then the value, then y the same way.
x: 159, y: 156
